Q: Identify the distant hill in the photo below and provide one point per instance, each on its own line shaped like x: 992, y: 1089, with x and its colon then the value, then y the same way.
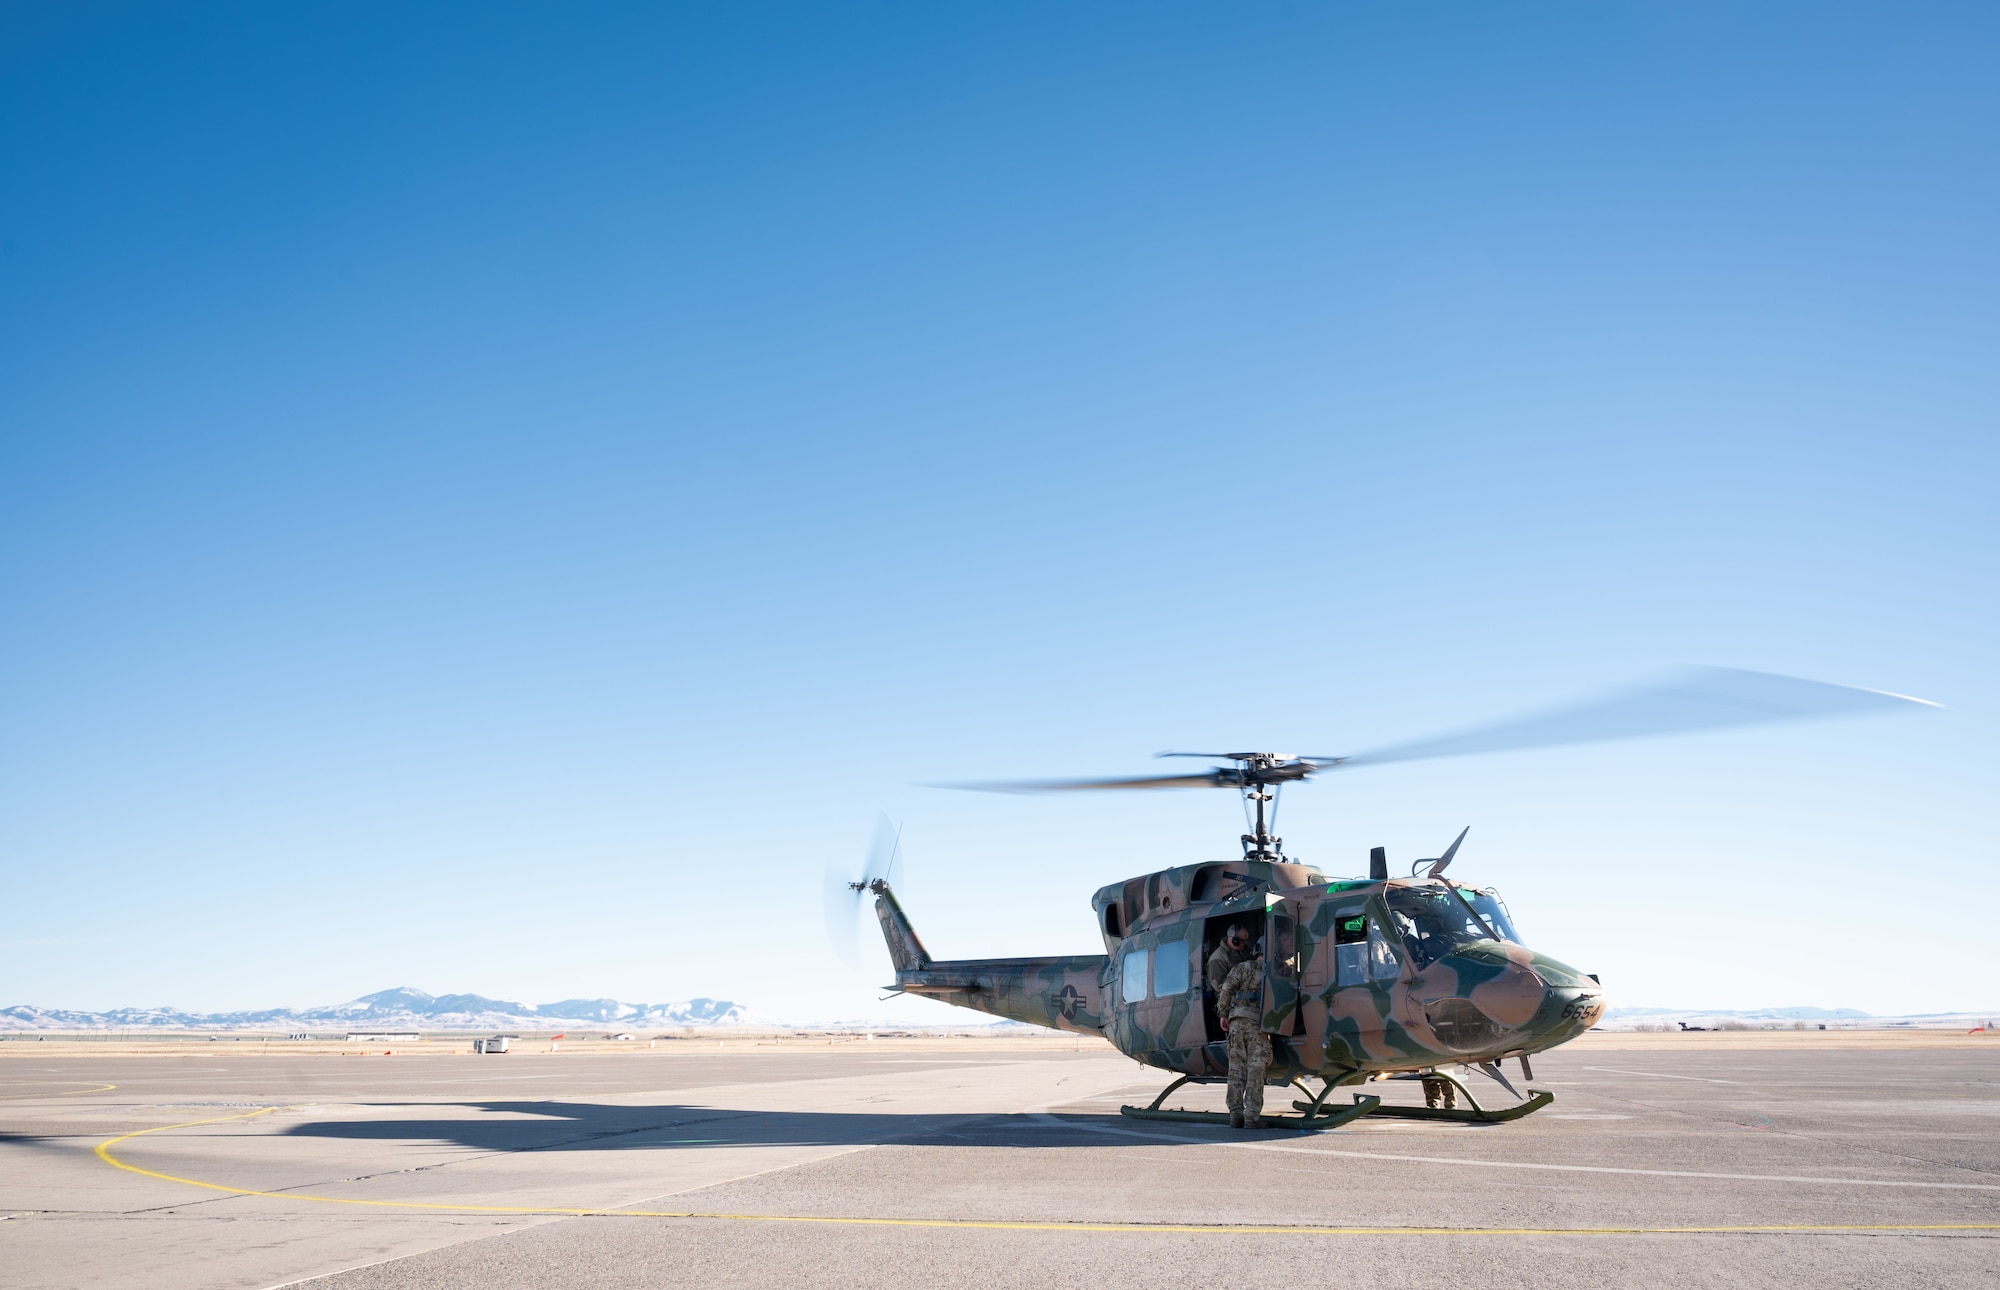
x: 1783, y: 1018
x: 1752, y: 1014
x: 404, y: 1008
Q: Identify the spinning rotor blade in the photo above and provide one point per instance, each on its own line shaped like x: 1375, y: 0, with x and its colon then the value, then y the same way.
x: 1215, y: 779
x: 1702, y: 698
x: 844, y: 895
x: 840, y: 905
x: 1242, y: 756
x: 884, y: 855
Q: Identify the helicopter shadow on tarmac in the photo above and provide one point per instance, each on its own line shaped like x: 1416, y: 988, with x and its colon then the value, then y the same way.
x: 584, y: 1126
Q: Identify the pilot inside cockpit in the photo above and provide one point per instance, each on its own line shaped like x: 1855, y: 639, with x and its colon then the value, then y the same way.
x: 1433, y: 922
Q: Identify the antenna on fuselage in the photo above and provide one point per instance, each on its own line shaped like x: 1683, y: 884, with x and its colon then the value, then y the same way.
x: 1437, y: 866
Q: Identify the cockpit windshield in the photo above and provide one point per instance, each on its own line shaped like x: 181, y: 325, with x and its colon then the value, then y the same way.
x: 1437, y: 918
x: 1493, y: 911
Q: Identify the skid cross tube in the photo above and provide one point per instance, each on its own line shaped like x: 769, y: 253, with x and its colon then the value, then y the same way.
x: 1317, y: 1100
x: 1185, y: 1079
x: 1472, y: 1111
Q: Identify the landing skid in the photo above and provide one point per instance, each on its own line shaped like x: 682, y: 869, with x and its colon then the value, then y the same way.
x: 1315, y: 1117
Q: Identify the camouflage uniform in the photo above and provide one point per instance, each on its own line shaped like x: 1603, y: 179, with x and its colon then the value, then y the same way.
x: 1241, y: 999
x: 1219, y: 965
x: 1220, y: 962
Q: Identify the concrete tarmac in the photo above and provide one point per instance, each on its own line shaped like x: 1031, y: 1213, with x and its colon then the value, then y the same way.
x: 981, y: 1164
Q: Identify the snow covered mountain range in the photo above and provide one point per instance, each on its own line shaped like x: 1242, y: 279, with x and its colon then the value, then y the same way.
x: 404, y: 1009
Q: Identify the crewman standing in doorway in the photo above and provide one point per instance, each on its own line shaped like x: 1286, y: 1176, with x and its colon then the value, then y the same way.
x: 1235, y: 948
x: 1240, y: 1002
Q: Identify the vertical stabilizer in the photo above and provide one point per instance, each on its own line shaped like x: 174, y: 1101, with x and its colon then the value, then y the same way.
x: 905, y: 950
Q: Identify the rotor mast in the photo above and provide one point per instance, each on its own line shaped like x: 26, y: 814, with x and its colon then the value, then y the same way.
x: 1261, y: 776
x: 1260, y: 845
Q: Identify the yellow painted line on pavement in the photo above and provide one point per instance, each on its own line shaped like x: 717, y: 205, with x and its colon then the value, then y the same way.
x: 1183, y: 1229
x: 94, y: 1088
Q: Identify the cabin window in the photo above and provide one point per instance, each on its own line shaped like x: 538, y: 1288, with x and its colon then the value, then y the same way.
x: 1350, y: 946
x: 1132, y: 976
x: 1382, y: 962
x: 1170, y: 969
x: 1282, y: 946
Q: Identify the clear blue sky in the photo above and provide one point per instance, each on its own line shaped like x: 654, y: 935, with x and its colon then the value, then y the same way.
x: 492, y: 498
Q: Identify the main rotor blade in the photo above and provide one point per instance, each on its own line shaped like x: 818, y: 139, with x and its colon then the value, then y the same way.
x: 1215, y: 779
x: 1703, y: 698
x: 1242, y: 756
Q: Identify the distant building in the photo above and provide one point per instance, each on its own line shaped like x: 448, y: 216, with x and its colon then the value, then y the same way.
x: 383, y: 1037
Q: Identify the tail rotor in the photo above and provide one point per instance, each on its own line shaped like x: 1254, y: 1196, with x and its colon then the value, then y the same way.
x: 845, y: 892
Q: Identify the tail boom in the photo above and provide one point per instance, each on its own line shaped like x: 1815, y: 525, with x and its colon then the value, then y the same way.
x: 1063, y: 993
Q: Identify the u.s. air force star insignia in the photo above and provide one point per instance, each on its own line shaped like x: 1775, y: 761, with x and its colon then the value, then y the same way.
x: 1068, y: 1001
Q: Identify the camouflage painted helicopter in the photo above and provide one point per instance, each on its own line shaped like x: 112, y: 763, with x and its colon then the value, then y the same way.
x: 1420, y: 978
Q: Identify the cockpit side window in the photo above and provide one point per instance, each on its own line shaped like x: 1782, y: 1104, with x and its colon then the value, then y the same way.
x: 1383, y: 965
x: 1432, y: 921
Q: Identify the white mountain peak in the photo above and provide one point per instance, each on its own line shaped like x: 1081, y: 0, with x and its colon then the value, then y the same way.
x: 402, y: 1007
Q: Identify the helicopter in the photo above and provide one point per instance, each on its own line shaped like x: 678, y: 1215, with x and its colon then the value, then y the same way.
x: 1421, y: 977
